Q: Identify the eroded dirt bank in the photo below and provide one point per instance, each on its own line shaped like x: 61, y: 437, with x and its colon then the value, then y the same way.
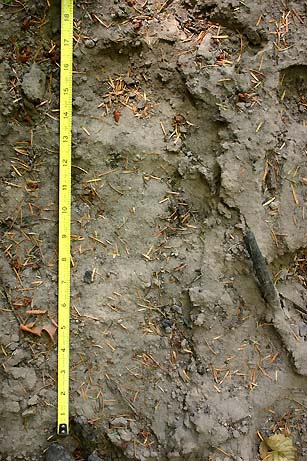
x: 189, y: 127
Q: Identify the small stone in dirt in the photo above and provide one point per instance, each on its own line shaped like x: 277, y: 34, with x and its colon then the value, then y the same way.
x: 167, y: 325
x: 141, y: 105
x: 33, y: 400
x: 204, y: 47
x: 34, y: 83
x: 90, y: 43
x: 129, y: 81
x: 58, y: 453
x: 125, y: 435
x: 119, y: 422
x: 88, y: 277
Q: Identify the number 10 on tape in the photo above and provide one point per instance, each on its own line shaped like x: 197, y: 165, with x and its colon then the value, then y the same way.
x: 64, y: 214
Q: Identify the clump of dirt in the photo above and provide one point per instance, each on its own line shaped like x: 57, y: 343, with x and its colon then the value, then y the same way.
x: 189, y: 131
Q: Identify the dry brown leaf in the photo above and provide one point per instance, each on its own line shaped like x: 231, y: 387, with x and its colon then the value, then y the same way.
x: 278, y: 447
x: 50, y: 329
x: 30, y: 328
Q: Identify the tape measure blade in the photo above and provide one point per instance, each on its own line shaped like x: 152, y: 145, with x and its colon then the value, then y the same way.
x: 64, y: 214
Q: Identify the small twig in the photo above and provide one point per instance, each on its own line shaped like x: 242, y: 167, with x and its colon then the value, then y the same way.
x: 165, y: 5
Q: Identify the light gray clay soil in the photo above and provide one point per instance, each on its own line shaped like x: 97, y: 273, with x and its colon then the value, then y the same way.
x: 189, y: 133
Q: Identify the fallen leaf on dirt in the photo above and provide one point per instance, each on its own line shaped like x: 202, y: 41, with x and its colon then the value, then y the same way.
x: 36, y: 312
x: 278, y: 447
x: 31, y: 329
x: 50, y: 329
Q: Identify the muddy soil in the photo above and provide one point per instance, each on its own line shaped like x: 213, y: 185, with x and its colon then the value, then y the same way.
x: 189, y: 133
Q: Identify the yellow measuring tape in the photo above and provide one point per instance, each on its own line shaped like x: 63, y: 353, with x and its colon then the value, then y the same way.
x: 64, y: 214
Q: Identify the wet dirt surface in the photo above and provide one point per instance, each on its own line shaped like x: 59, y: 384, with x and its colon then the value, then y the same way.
x: 189, y: 129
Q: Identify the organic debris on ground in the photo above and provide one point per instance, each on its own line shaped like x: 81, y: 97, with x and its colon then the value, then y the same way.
x: 278, y: 447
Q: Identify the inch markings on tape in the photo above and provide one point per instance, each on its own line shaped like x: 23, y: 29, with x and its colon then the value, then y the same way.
x: 64, y: 214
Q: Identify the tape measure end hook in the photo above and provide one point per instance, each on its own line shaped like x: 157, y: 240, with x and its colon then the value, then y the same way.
x: 63, y: 429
